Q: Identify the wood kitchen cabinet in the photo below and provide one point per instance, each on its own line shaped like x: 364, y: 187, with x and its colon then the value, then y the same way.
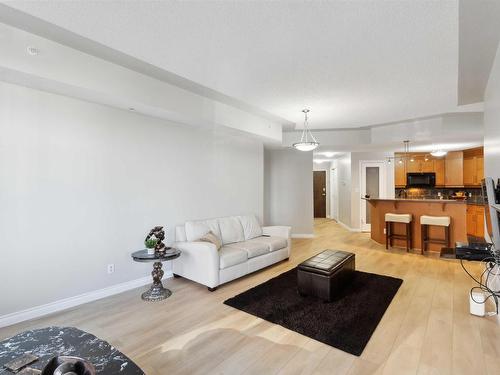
x: 471, y: 220
x: 457, y: 169
x: 414, y: 165
x: 473, y: 167
x: 440, y: 172
x: 422, y: 163
x: 427, y: 165
x: 475, y: 220
x: 399, y: 173
x: 454, y: 169
x: 480, y: 169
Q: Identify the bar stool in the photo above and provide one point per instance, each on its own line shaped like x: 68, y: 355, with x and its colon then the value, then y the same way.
x: 389, y: 235
x: 441, y: 221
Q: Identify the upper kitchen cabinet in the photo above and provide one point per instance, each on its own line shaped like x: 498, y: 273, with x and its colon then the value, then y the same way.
x: 454, y: 169
x: 473, y: 167
x: 427, y: 165
x: 418, y: 163
x: 414, y: 164
x: 439, y: 169
x: 399, y: 173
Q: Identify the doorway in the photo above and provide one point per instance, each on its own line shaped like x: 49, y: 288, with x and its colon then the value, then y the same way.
x: 373, y: 184
x: 319, y: 193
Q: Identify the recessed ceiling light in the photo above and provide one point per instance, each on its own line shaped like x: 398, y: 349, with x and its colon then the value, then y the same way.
x: 32, y: 51
x: 307, y: 141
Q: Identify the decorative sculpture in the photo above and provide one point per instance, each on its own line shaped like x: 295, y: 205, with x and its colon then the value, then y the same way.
x: 158, y: 233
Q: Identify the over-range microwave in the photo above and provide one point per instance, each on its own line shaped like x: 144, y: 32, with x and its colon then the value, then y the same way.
x: 420, y: 179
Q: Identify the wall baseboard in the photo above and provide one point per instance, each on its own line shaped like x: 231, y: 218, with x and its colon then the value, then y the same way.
x: 303, y: 235
x: 66, y: 303
x: 348, y: 227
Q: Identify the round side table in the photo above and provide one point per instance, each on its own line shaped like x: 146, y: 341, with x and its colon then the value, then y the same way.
x: 156, y: 292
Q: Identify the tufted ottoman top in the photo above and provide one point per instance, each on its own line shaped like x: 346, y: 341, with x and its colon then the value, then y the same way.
x: 327, y: 262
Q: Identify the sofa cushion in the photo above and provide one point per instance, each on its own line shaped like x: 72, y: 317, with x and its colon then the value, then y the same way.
x: 273, y: 243
x: 197, y: 229
x: 231, y: 256
x: 231, y: 230
x: 251, y: 226
x: 253, y: 249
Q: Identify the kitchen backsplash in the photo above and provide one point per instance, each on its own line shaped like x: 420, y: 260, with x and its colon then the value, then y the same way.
x: 446, y: 193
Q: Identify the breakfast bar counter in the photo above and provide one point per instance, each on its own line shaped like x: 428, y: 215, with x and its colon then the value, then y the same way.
x: 455, y: 209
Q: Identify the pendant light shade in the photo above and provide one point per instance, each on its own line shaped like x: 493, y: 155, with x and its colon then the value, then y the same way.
x: 307, y: 141
x: 438, y: 153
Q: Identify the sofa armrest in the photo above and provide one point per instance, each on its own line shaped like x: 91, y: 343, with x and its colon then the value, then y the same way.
x: 277, y: 230
x: 199, y: 261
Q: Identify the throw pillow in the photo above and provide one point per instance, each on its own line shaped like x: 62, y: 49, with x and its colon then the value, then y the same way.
x: 212, y: 238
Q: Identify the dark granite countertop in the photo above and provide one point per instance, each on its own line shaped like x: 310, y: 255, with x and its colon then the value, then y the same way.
x: 417, y: 200
x: 49, y: 342
x: 469, y: 201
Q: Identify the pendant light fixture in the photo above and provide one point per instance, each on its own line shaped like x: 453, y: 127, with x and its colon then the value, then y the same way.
x: 307, y: 141
x: 406, y: 154
x: 438, y: 153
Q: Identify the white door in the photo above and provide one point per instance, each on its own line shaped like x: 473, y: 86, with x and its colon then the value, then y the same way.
x: 334, y: 191
x: 373, y: 184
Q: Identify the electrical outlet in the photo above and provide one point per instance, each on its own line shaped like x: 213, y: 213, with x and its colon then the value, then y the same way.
x: 111, y: 268
x: 384, y: 231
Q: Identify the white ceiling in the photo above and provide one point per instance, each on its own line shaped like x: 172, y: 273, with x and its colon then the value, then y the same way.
x: 479, y: 33
x: 353, y: 63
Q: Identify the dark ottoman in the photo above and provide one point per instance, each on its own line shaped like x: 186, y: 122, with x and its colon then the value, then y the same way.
x: 325, y: 273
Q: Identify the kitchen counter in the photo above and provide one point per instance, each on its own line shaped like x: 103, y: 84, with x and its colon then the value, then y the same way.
x: 475, y: 203
x: 419, y: 200
x: 455, y: 209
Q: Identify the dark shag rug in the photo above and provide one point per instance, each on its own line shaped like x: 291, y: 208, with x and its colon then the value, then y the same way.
x: 346, y: 323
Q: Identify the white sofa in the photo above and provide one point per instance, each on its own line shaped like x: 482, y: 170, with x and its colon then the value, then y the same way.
x: 246, y: 247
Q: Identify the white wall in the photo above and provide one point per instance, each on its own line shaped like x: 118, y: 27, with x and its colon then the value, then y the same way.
x: 81, y: 184
x: 349, y: 184
x: 289, y: 189
x: 343, y: 165
x: 68, y: 71
x: 492, y: 121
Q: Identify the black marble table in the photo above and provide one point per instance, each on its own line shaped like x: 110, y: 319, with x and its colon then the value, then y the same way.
x: 157, y: 291
x: 49, y: 342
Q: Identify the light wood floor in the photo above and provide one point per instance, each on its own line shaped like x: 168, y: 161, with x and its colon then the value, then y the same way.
x: 426, y: 330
